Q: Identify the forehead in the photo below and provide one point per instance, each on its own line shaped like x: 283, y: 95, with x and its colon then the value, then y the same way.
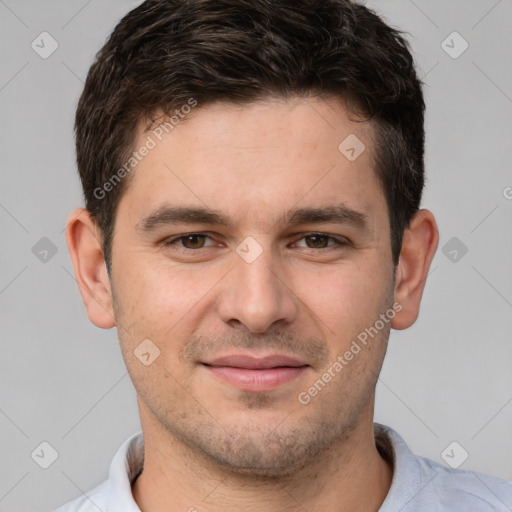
x: 256, y: 161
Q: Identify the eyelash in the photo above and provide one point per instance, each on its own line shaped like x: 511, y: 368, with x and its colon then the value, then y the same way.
x: 341, y: 242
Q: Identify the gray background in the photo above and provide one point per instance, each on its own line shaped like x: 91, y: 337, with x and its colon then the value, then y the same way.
x: 447, y: 378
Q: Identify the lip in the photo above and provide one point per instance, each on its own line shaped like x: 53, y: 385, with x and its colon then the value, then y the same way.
x: 250, y: 373
x: 256, y: 363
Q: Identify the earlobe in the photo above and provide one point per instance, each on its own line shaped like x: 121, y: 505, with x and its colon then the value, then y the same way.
x: 418, y: 249
x: 84, y: 245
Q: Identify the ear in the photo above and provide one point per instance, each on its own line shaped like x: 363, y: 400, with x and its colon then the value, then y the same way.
x: 84, y: 245
x: 418, y: 249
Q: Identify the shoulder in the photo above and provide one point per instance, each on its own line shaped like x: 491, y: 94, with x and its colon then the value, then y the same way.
x: 116, y: 491
x: 420, y: 484
x: 93, y: 501
x: 458, y: 489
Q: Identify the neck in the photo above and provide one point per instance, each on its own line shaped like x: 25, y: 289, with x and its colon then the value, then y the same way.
x: 349, y: 476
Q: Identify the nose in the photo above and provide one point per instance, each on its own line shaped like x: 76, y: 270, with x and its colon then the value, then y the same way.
x: 257, y: 294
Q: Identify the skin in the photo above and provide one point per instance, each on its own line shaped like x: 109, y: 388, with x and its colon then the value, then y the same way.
x: 208, y: 444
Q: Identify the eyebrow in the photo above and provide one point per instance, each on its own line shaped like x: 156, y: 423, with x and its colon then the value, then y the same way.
x: 170, y: 215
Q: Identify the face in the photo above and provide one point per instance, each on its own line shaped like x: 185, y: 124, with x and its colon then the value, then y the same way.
x: 252, y: 254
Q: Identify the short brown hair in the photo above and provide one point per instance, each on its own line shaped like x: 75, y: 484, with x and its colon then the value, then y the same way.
x: 165, y: 52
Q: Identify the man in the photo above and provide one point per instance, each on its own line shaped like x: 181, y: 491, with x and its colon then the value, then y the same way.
x: 252, y: 173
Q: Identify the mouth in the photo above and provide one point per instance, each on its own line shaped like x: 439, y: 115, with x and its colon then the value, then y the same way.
x: 250, y: 373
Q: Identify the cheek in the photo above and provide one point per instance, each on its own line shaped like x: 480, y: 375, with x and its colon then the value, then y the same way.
x: 163, y: 303
x: 153, y: 306
x: 155, y: 296
x: 347, y: 298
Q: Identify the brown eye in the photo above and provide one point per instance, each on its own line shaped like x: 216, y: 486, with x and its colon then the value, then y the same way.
x: 189, y: 241
x: 321, y: 241
x: 195, y: 241
x: 317, y: 241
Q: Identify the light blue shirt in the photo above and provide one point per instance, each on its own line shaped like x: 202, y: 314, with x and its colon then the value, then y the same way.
x: 418, y: 485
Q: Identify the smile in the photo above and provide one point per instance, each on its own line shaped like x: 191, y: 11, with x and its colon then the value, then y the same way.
x: 256, y: 374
